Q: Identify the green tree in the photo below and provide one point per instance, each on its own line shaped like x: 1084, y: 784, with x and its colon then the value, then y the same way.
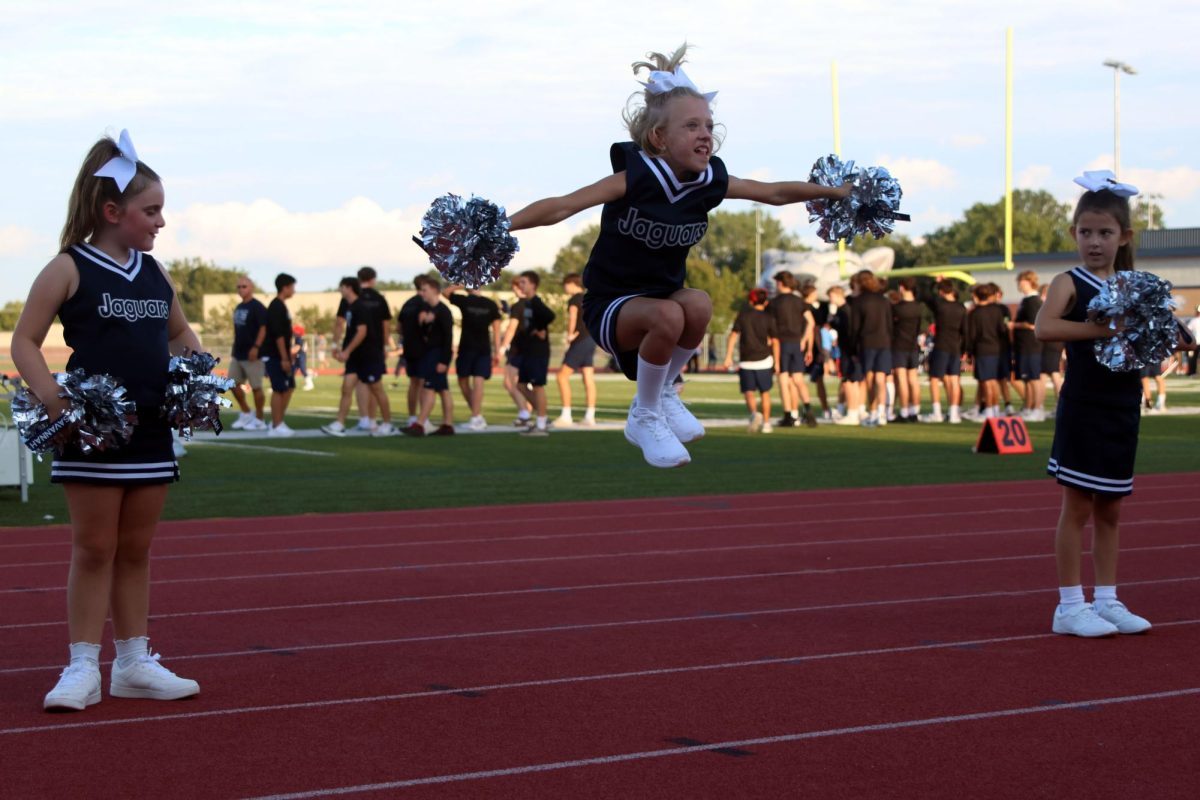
x: 195, y: 277
x: 1146, y: 212
x: 219, y: 322
x: 907, y: 251
x: 573, y: 256
x: 314, y: 319
x: 10, y: 314
x: 729, y: 242
x: 727, y: 290
x: 1040, y: 225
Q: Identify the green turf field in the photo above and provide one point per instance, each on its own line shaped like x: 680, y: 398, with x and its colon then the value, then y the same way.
x: 319, y: 475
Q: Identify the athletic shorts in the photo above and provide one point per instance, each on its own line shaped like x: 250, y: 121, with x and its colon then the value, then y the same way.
x: 1051, y: 360
x: 852, y: 369
x: 756, y: 380
x: 816, y: 370
x: 473, y: 364
x: 875, y: 359
x: 368, y: 369
x: 600, y: 314
x: 942, y: 363
x: 247, y: 371
x: 1029, y: 366
x: 279, y: 381
x: 427, y: 368
x: 533, y: 370
x: 987, y: 368
x: 1152, y: 370
x: 905, y: 359
x: 147, y: 458
x: 791, y: 358
x: 581, y: 353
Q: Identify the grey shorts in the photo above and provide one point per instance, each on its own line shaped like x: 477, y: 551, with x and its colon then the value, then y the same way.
x: 247, y: 371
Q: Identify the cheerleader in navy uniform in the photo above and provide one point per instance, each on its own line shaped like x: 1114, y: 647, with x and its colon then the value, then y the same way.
x: 1096, y: 425
x: 656, y: 204
x: 120, y: 316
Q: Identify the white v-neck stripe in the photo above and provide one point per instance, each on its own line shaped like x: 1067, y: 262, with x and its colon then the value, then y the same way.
x: 129, y: 270
x: 1088, y: 277
x: 672, y: 186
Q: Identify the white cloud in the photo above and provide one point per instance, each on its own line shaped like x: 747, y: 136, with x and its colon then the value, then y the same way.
x: 16, y: 241
x: 919, y: 174
x: 967, y: 141
x: 1035, y: 176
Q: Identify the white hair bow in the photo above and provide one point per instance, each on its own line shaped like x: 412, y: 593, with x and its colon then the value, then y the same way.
x: 121, y: 168
x: 1103, y: 179
x: 663, y: 82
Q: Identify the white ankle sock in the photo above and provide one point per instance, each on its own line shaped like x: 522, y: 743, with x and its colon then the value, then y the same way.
x: 1069, y: 596
x: 84, y: 650
x: 651, y: 378
x: 130, y: 650
x: 1105, y: 594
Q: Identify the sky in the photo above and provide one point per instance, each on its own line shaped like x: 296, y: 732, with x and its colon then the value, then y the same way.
x: 310, y: 137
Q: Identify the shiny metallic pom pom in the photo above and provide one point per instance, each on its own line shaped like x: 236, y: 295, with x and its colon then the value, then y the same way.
x: 192, y: 401
x: 1139, y: 304
x: 468, y: 242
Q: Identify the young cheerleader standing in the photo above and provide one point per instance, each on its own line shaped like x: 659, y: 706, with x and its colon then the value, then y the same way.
x: 1096, y: 426
x: 656, y: 206
x: 120, y: 317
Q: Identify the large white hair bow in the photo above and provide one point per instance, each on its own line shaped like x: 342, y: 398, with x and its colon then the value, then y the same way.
x: 1104, y: 180
x: 663, y: 82
x: 123, y: 167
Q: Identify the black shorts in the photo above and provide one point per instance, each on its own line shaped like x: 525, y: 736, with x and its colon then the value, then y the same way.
x: 427, y: 369
x: 581, y: 353
x: 756, y: 380
x: 147, y: 458
x: 1151, y: 370
x: 876, y: 359
x: 473, y: 364
x: 367, y: 369
x: 600, y: 314
x: 1029, y: 366
x: 279, y: 381
x: 791, y: 358
x: 533, y: 370
x: 905, y: 359
x: 1051, y: 361
x: 987, y: 368
x: 1094, y: 446
x: 816, y: 370
x: 943, y: 363
x: 852, y: 369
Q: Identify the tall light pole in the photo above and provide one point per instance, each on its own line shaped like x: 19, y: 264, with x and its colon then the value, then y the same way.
x: 1117, y: 67
x: 758, y: 232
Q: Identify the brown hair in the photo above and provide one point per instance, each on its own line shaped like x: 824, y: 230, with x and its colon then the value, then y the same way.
x: 85, y: 209
x: 532, y: 277
x: 426, y: 280
x: 1105, y: 202
x: 572, y: 278
x: 1030, y: 277
x: 654, y: 113
x: 787, y: 279
x: 867, y: 281
x: 946, y: 285
x: 907, y: 282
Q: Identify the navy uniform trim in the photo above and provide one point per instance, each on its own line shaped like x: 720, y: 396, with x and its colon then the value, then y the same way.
x: 129, y: 270
x: 675, y: 189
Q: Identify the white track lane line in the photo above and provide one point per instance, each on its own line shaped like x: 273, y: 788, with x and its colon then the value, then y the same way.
x: 591, y: 626
x: 619, y: 758
x: 537, y: 683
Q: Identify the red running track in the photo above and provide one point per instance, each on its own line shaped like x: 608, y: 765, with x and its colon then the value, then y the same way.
x: 890, y: 642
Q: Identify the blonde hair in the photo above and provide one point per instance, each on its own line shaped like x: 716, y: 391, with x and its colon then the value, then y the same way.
x: 653, y: 112
x: 85, y: 213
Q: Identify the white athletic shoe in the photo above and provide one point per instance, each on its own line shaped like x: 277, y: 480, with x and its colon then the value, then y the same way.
x: 383, y: 429
x: 256, y: 424
x: 178, y: 449
x: 766, y: 427
x: 243, y: 419
x: 281, y: 430
x: 1082, y: 620
x: 564, y: 421
x: 364, y: 425
x: 955, y: 418
x: 334, y: 428
x: 588, y: 422
x: 147, y: 679
x: 933, y: 417
x: 308, y: 384
x: 650, y: 432
x: 850, y: 418
x: 1114, y: 611
x: 78, y: 687
x: 477, y: 424
x: 680, y: 420
x: 755, y: 424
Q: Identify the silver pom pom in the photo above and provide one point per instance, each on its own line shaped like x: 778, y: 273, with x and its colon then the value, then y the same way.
x: 872, y: 206
x: 100, y: 417
x: 1139, y: 306
x: 192, y: 401
x: 468, y: 242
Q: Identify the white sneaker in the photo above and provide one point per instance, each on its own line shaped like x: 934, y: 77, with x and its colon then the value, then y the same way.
x: 955, y: 418
x: 680, y: 420
x: 243, y: 419
x: 973, y: 415
x: 78, y: 687
x: 870, y: 421
x: 756, y: 423
x: 588, y: 422
x: 383, y: 429
x: 1114, y: 611
x: 850, y: 418
x: 564, y: 421
x: 1082, y: 620
x: 477, y: 424
x: 364, y: 425
x: 178, y: 449
x: 308, y: 384
x: 147, y: 679
x: 766, y: 427
x: 334, y: 428
x: 933, y: 417
x: 883, y: 419
x: 281, y: 430
x: 256, y: 424
x: 650, y: 432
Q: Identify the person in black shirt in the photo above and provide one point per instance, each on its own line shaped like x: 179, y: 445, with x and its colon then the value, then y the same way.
x: 509, y: 348
x: 480, y: 330
x: 362, y: 350
x: 906, y: 327
x: 376, y: 305
x: 533, y: 343
x: 871, y: 327
x: 820, y: 354
x: 794, y: 325
x: 758, y: 354
x: 987, y: 333
x: 1027, y: 349
x: 580, y: 356
x: 412, y: 343
x: 945, y: 361
x: 277, y: 353
x: 245, y: 366
x: 437, y: 336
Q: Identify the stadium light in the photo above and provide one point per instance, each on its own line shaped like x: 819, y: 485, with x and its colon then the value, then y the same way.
x: 1117, y: 67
